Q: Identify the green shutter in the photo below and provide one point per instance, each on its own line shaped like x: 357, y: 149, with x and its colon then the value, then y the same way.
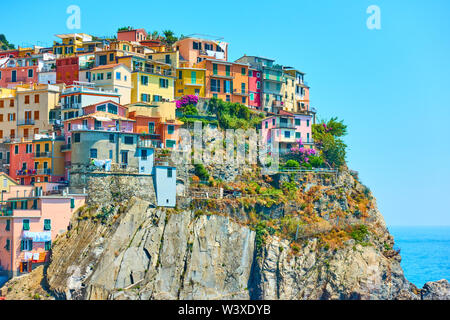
x: 26, y: 224
x: 8, y: 225
x: 7, y: 244
x: 72, y: 203
x: 47, y: 224
x: 22, y: 245
x: 48, y: 245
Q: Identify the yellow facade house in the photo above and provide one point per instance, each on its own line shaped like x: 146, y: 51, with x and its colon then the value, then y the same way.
x: 152, y: 81
x: 6, y: 182
x: 190, y: 81
x: 48, y: 158
x: 288, y: 92
x: 114, y: 77
x: 70, y: 43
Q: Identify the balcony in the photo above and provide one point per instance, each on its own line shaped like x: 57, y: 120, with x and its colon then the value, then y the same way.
x: 74, y: 105
x: 219, y: 55
x: 47, y: 154
x: 26, y: 172
x: 284, y: 125
x: 6, y: 212
x: 66, y: 147
x: 221, y: 76
x: 19, y: 79
x: 152, y: 141
x: 46, y: 171
x: 162, y: 72
x: 240, y: 92
x: 26, y: 122
x: 122, y: 128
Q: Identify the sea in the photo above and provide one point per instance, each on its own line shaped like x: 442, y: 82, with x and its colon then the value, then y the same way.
x: 425, y: 252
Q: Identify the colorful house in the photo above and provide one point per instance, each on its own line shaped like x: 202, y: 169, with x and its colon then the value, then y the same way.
x: 67, y: 70
x: 190, y: 81
x: 272, y: 81
x: 254, y: 88
x: 130, y: 34
x: 156, y: 124
x: 17, y: 71
x: 226, y: 80
x: 30, y: 221
x: 301, y: 90
x: 38, y: 160
x: 152, y: 81
x: 75, y: 97
x: 193, y: 50
x: 287, y: 129
x: 113, y: 77
x: 70, y: 44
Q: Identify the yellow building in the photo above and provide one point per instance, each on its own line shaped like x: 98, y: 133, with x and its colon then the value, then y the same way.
x: 114, y: 77
x: 48, y: 159
x: 70, y: 44
x: 190, y: 81
x: 171, y: 58
x: 288, y: 92
x: 6, y: 182
x: 152, y: 81
x: 27, y: 112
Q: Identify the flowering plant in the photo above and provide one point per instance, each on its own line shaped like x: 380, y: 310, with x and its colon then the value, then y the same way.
x: 302, y: 153
x: 186, y: 100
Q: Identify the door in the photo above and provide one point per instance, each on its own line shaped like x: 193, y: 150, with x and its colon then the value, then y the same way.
x: 13, y: 76
x: 124, y: 158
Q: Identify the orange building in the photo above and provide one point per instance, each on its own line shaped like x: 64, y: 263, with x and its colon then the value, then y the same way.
x: 156, y: 124
x: 193, y: 50
x: 226, y: 80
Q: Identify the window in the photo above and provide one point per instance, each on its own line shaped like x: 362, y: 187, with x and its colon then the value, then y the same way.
x: 16, y: 149
x: 252, y: 97
x: 110, y: 154
x: 144, y: 80
x: 227, y: 70
x: 298, y: 135
x: 258, y: 85
x: 36, y: 115
x: 243, y: 71
x: 151, y: 127
x: 108, y: 75
x: 76, y: 137
x: 170, y: 143
x: 215, y: 85
x: 26, y: 245
x: 163, y: 83
x: 2, y: 104
x: 226, y: 86
x: 27, y: 99
x: 169, y: 172
x: 36, y: 98
x: 8, y: 225
x: 244, y: 100
x: 0, y: 75
x: 93, y: 153
x: 273, y: 121
x: 193, y: 77
x: 214, y: 68
x: 195, y: 45
x: 30, y: 73
x: 112, y: 108
x: 250, y: 73
x: 307, y: 123
x: 47, y: 224
x: 8, y: 242
x: 128, y: 140
x: 118, y: 76
x: 26, y: 224
x: 99, y: 76
x: 157, y: 98
x: 287, y: 134
x: 11, y: 103
x: 111, y: 57
x: 111, y: 138
x: 297, y: 122
x: 144, y: 154
x: 72, y: 203
x: 267, y: 124
x: 145, y: 97
x: 47, y: 245
x: 170, y: 129
x: 180, y: 75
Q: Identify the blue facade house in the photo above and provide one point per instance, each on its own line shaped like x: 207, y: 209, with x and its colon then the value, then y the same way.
x: 165, y: 179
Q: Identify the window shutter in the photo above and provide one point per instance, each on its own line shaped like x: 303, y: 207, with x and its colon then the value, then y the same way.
x: 22, y: 245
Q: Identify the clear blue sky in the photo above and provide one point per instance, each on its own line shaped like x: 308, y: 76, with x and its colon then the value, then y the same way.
x: 391, y: 86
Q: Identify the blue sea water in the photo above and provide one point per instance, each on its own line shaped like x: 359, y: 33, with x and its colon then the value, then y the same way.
x: 425, y: 252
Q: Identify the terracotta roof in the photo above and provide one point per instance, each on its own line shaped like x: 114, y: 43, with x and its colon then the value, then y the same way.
x: 107, y: 66
x: 104, y: 115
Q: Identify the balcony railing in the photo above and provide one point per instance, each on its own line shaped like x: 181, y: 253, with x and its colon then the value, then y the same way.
x: 46, y: 154
x: 43, y: 171
x: 152, y: 142
x: 74, y: 105
x: 26, y: 122
x: 19, y: 79
x: 122, y: 128
x: 26, y: 172
x: 162, y: 72
x: 66, y: 147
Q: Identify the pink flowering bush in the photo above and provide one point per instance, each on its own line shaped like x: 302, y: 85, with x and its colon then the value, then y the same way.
x: 186, y: 100
x: 305, y: 156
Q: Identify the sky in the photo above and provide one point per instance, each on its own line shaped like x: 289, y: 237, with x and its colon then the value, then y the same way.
x: 390, y: 86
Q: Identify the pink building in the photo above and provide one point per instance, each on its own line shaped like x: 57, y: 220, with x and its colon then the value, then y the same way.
x: 254, y: 88
x: 287, y: 129
x: 132, y: 35
x: 31, y: 218
x: 194, y: 50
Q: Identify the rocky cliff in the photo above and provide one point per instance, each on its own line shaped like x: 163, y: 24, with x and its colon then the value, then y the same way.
x: 330, y: 243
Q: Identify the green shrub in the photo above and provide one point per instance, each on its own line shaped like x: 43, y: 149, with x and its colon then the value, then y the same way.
x: 292, y: 164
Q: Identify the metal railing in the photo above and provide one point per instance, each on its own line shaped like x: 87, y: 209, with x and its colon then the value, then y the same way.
x: 26, y: 122
x: 66, y: 147
x: 46, y: 154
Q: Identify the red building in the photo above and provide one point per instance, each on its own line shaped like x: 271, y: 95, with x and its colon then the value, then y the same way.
x: 9, y: 53
x: 22, y: 162
x: 132, y: 35
x: 18, y: 71
x: 254, y: 88
x: 67, y: 70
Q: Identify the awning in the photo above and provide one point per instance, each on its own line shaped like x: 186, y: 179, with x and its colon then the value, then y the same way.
x: 99, y: 118
x: 37, y: 236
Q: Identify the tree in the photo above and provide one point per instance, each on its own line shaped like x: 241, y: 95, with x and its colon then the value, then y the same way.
x: 169, y: 37
x: 326, y: 136
x: 4, y: 44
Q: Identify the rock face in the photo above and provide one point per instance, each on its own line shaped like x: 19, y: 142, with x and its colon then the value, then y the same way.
x: 138, y: 251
